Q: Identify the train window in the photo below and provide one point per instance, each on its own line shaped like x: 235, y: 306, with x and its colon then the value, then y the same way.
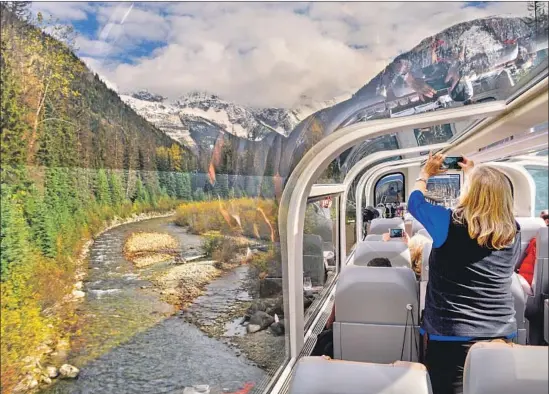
x: 444, y: 189
x: 319, y: 251
x: 540, y: 178
x: 390, y: 189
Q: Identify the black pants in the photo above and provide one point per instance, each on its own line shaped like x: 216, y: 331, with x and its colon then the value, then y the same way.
x: 444, y: 361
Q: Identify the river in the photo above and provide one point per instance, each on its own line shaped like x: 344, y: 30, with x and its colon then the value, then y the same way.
x: 129, y: 341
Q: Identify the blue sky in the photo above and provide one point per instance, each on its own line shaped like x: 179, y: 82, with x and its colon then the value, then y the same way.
x: 268, y: 54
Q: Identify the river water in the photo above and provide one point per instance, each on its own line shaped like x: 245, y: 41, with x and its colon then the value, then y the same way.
x: 130, y: 341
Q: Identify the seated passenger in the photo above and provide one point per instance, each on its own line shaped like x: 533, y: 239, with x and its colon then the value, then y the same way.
x: 375, y: 262
x: 325, y: 340
x: 476, y: 246
x: 415, y: 244
x: 526, y: 269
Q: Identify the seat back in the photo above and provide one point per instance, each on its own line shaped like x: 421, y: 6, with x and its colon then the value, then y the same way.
x: 397, y: 252
x: 377, y: 315
x: 529, y: 227
x: 500, y: 368
x: 546, y: 321
x: 381, y: 225
x: 519, y: 297
x: 318, y: 375
x: 540, y: 288
x: 540, y: 283
x: 379, y: 237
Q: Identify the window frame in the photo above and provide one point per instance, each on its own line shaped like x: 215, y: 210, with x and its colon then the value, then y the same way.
x: 390, y: 174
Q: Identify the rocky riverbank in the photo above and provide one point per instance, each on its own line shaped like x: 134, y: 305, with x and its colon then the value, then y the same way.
x: 51, y: 355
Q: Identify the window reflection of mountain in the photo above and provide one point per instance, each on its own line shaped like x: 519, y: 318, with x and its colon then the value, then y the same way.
x: 452, y: 60
x: 390, y: 192
x: 456, y: 57
x: 433, y: 135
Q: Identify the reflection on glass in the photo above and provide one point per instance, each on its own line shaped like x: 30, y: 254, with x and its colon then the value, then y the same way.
x: 443, y: 189
x: 319, y: 250
x: 389, y: 189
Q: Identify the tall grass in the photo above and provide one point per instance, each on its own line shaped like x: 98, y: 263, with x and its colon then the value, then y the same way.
x: 254, y: 218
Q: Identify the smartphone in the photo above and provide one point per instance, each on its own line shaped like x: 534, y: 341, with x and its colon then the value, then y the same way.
x: 396, y: 233
x: 451, y: 163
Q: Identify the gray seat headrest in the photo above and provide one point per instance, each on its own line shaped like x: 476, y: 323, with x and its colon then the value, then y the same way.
x: 381, y: 225
x: 375, y: 295
x: 542, y: 243
x: 317, y: 375
x: 397, y: 252
x: 529, y: 227
x: 501, y: 368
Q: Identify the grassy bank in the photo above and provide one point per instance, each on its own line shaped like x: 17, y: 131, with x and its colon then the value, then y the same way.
x: 38, y: 307
x: 254, y: 218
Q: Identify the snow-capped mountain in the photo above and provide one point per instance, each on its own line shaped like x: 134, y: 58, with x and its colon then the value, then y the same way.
x: 191, y: 116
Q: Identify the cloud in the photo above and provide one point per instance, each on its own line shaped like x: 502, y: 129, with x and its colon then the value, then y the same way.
x: 62, y: 10
x: 93, y: 48
x: 266, y: 54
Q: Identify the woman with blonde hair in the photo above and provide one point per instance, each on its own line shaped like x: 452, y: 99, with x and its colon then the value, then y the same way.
x: 476, y: 246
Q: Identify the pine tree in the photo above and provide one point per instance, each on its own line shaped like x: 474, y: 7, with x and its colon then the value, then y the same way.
x: 141, y: 194
x: 267, y: 187
x: 171, y: 186
x: 12, y: 142
x: 115, y: 187
x: 102, y: 190
x: 14, y: 234
x: 221, y: 187
x: 184, y: 186
x: 238, y: 193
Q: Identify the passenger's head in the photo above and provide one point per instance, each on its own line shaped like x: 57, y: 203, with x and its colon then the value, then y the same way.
x: 379, y: 262
x: 545, y: 216
x: 486, y: 206
x: 416, y: 244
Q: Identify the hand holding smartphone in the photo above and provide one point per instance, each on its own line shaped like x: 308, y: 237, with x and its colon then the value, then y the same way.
x: 452, y: 163
x: 396, y: 233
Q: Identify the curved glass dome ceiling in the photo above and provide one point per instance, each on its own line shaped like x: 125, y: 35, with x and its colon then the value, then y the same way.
x: 479, y: 60
x: 482, y: 60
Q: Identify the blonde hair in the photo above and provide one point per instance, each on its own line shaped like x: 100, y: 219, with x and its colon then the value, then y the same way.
x: 415, y: 244
x: 486, y: 207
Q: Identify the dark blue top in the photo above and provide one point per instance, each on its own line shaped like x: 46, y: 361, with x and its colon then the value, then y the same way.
x: 455, y: 310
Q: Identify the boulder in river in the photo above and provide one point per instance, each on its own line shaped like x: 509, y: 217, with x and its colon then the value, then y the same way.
x: 52, y: 372
x: 260, y: 321
x: 277, y: 308
x: 258, y: 305
x: 68, y: 371
x: 78, y: 294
